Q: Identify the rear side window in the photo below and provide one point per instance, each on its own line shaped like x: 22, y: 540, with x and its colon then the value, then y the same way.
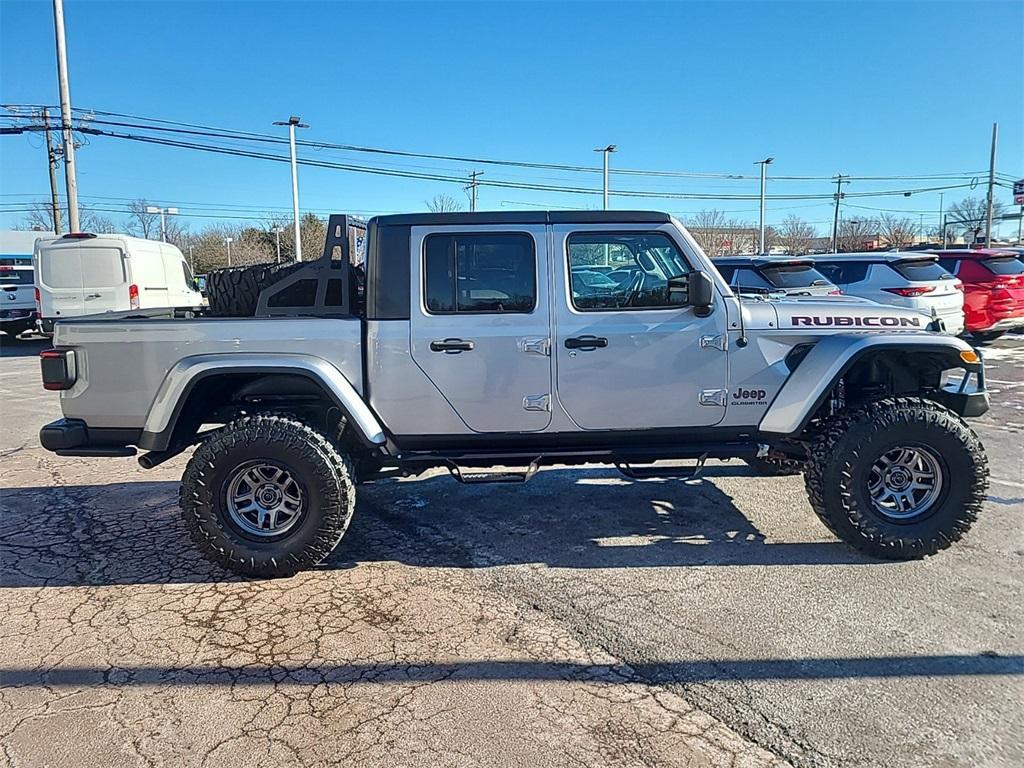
x: 949, y: 265
x: 1004, y: 265
x: 479, y: 273
x: 843, y: 273
x: 725, y: 272
x: 793, y: 276
x: 928, y: 269
x: 749, y: 278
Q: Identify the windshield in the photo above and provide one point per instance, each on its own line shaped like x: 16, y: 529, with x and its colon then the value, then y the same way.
x: 1004, y: 265
x: 794, y: 276
x: 11, y: 276
x: 922, y: 269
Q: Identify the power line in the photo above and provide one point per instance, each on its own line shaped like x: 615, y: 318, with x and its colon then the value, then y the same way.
x: 197, y: 129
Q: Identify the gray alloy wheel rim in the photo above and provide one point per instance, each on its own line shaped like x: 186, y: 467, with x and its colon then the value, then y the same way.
x: 264, y: 498
x: 905, y: 482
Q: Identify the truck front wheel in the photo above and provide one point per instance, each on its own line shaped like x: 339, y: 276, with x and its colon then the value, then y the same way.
x: 900, y: 478
x: 267, y: 496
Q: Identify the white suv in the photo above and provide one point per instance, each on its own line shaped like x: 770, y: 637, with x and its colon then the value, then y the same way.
x: 899, y: 278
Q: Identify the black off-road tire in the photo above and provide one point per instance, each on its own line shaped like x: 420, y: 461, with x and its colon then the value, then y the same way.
x: 772, y: 467
x: 235, y: 291
x: 840, y: 459
x: 986, y: 336
x: 325, y: 476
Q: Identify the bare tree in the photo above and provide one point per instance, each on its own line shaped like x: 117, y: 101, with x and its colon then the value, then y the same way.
x: 40, y: 218
x: 442, y: 203
x: 896, y: 231
x: 796, y: 235
x: 707, y: 228
x: 140, y: 222
x: 856, y: 234
x: 968, y: 217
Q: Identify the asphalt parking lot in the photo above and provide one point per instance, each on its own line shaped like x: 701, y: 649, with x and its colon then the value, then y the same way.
x: 581, y: 619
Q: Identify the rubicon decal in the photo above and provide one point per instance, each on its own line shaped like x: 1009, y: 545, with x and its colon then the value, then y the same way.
x: 846, y: 321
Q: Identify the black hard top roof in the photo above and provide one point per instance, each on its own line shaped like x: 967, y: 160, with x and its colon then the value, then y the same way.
x: 524, y: 217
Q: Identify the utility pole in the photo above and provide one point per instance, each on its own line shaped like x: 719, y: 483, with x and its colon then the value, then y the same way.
x: 840, y: 180
x: 764, y: 170
x: 293, y: 123
x: 991, y: 184
x: 942, y: 218
x: 472, y: 187
x: 70, y: 179
x: 51, y: 156
x: 227, y: 242
x: 606, y: 151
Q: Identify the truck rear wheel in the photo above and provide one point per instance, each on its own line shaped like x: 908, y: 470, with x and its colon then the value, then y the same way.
x: 901, y: 478
x: 267, y: 496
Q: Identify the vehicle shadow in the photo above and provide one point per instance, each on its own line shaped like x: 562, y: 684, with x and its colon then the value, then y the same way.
x: 131, y: 533
x: 29, y: 346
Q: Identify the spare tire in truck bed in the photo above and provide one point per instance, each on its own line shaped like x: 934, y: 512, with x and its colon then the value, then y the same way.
x: 235, y: 291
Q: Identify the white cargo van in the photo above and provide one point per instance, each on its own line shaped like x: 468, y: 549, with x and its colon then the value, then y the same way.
x: 86, y: 274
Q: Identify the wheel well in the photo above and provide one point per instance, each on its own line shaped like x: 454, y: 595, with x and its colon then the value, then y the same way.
x: 222, y: 397
x: 895, y: 372
x: 887, y: 373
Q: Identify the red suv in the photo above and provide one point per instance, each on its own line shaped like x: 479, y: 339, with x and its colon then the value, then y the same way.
x: 993, y: 284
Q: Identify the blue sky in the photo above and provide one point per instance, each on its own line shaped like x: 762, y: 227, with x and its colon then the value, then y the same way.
x: 862, y: 88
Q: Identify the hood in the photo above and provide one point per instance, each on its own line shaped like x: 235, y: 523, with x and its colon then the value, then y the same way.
x: 836, y: 313
x: 847, y: 313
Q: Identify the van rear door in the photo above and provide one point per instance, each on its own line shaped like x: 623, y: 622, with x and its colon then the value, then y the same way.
x: 82, y: 279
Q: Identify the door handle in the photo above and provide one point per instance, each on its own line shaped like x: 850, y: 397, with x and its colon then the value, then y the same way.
x: 93, y: 296
x: 451, y: 346
x: 586, y: 342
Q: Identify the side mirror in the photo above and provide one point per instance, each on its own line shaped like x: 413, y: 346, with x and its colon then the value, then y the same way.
x: 695, y: 289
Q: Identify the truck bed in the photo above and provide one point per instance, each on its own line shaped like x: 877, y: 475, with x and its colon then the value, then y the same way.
x: 123, y: 358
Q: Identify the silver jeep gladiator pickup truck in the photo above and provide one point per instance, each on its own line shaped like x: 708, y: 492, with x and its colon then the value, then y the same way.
x: 475, y: 341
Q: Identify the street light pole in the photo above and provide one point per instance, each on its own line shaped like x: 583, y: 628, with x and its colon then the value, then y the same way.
x: 293, y: 123
x: 277, y: 239
x: 163, y: 220
x: 606, y: 151
x: 70, y: 179
x: 764, y: 170
x: 227, y: 242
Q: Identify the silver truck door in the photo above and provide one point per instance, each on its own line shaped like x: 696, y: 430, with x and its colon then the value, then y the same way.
x: 627, y: 354
x: 480, y: 324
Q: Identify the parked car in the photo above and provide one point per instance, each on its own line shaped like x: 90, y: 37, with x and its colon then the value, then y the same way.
x: 18, y: 304
x: 86, y: 274
x: 310, y: 392
x: 901, y: 278
x: 993, y: 283
x: 775, y: 274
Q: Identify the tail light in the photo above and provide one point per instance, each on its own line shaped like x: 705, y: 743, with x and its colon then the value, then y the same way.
x: 919, y: 291
x: 836, y: 292
x: 59, y: 370
x: 959, y: 287
x: 39, y: 303
x: 133, y: 296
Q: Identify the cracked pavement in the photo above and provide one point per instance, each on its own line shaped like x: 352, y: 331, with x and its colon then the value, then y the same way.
x: 582, y: 619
